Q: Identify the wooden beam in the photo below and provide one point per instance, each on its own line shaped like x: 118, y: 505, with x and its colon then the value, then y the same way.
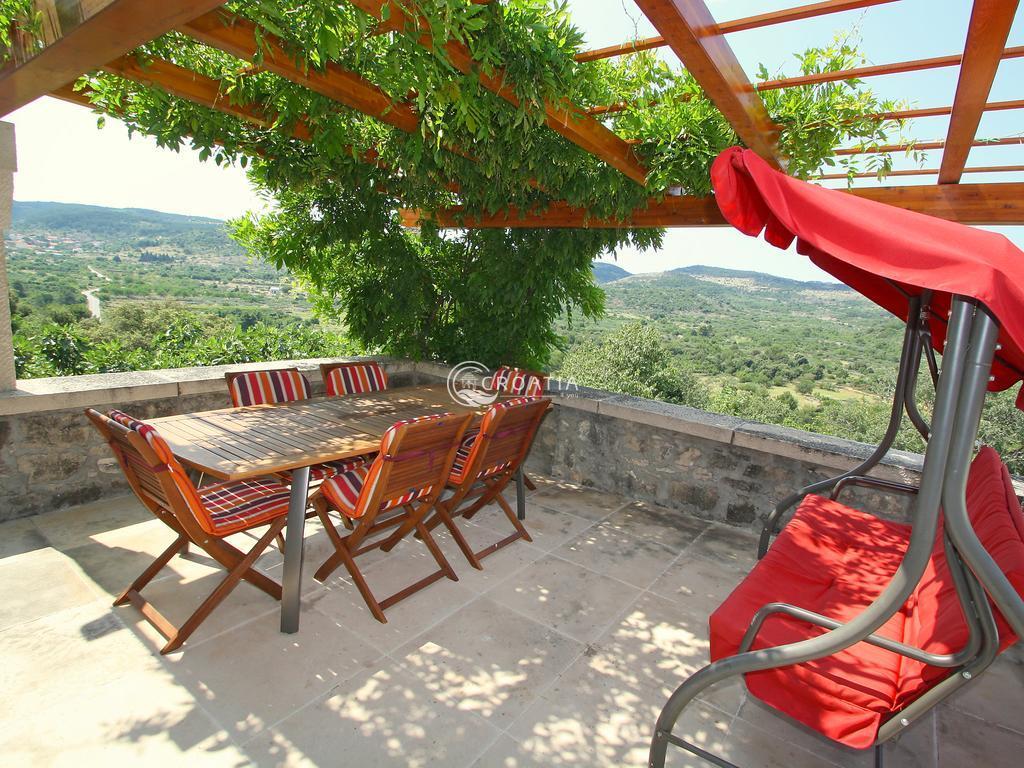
x: 110, y: 32
x: 859, y: 73
x: 925, y: 172
x: 194, y: 87
x: 690, y: 30
x: 927, y: 145
x: 237, y: 36
x: 738, y: 25
x: 965, y: 203
x: 565, y: 118
x: 987, y: 34
x: 910, y: 114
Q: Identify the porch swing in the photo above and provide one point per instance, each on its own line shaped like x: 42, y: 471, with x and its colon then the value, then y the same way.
x: 849, y: 624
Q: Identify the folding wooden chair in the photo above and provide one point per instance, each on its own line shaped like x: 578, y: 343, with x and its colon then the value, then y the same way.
x: 202, y: 516
x: 353, y: 378
x: 396, y: 491
x: 525, y: 383
x: 482, y: 471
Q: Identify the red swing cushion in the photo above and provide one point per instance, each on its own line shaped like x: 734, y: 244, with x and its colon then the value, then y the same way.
x: 835, y: 561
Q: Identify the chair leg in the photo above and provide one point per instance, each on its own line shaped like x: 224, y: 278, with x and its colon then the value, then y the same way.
x: 441, y: 515
x: 345, y: 558
x: 529, y: 483
x: 513, y: 517
x: 331, y: 563
x: 229, y: 557
x: 435, y: 550
x: 224, y: 588
x: 155, y: 567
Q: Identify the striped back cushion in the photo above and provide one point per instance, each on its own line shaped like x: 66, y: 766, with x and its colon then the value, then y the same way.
x: 404, y: 486
x: 517, y: 381
x: 143, y: 470
x: 268, y: 387
x: 503, y: 432
x: 354, y: 378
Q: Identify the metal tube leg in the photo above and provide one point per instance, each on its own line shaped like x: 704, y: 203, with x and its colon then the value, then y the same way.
x: 291, y: 589
x: 520, y: 493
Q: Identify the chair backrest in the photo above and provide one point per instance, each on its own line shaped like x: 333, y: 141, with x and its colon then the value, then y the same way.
x: 283, y: 385
x: 353, y: 378
x: 934, y: 617
x: 151, y: 469
x: 519, y: 381
x: 413, y: 463
x: 506, y: 435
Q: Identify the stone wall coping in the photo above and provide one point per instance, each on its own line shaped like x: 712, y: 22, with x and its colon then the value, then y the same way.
x: 60, y: 393
x: 63, y: 392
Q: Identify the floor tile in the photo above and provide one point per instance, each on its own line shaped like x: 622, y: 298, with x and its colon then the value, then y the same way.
x: 383, y: 717
x: 968, y: 741
x: 387, y: 575
x: 566, y: 596
x: 665, y: 526
x: 254, y: 676
x: 497, y: 566
x: 18, y: 537
x: 698, y: 584
x: 588, y: 503
x: 728, y: 545
x: 488, y: 660
x: 72, y: 527
x: 997, y: 696
x: 606, y: 549
x: 549, y: 529
x: 38, y: 583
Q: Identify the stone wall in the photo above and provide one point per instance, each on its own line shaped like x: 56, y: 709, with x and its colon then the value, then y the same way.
x: 52, y: 457
x: 714, y: 466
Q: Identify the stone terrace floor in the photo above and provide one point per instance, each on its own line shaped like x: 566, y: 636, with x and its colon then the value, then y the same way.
x: 560, y: 653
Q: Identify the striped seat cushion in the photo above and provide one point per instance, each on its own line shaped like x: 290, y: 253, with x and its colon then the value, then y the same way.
x: 462, y: 459
x: 235, y: 505
x: 343, y: 492
x: 355, y: 379
x: 268, y: 387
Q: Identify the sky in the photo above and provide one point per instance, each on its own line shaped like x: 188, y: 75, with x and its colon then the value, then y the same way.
x: 63, y: 157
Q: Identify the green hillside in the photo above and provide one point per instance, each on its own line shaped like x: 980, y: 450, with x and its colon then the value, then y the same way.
x: 606, y: 273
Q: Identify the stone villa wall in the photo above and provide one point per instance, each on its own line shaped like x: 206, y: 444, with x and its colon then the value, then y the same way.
x: 714, y: 466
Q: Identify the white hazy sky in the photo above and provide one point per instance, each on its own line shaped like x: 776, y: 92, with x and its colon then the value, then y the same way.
x: 63, y: 157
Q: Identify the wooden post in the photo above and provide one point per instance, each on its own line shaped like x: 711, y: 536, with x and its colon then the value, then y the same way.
x: 8, y: 165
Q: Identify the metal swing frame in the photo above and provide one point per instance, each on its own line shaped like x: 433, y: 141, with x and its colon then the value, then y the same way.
x: 971, y: 344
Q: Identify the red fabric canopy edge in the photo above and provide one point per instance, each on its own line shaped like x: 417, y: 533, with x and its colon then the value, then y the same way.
x: 881, y: 251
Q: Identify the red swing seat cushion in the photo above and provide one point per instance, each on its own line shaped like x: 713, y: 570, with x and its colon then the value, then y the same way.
x: 835, y: 561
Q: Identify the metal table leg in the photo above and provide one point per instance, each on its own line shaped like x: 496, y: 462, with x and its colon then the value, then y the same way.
x: 291, y: 589
x: 520, y: 493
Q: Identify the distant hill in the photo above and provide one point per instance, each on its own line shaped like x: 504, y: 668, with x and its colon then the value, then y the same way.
x: 606, y: 273
x: 757, y: 278
x: 117, y: 229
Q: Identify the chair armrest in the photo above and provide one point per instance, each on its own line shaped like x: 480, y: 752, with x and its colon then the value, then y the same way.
x: 872, y: 482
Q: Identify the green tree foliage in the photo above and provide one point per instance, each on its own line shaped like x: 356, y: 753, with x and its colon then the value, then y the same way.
x: 635, y: 361
x: 141, y: 336
x: 494, y: 296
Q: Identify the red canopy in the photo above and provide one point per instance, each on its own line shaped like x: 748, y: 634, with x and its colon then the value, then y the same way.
x: 880, y: 251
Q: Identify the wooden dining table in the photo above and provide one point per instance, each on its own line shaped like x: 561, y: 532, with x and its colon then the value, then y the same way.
x: 259, y: 440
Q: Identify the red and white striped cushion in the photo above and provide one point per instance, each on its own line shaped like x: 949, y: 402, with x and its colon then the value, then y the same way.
x: 344, y: 490
x: 465, y: 452
x: 349, y: 491
x: 238, y: 504
x: 515, y: 381
x: 268, y: 387
x: 355, y: 379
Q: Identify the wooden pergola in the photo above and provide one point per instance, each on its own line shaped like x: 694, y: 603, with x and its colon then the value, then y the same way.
x: 98, y: 34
